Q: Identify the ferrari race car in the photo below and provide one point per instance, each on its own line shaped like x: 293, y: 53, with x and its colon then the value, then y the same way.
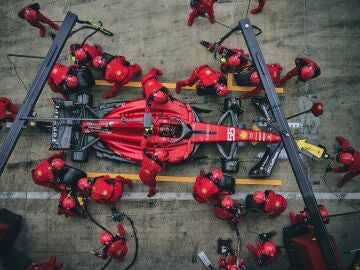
x: 116, y: 130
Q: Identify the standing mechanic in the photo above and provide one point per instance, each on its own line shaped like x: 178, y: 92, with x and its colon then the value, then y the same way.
x: 200, y: 8
x: 349, y: 158
x: 32, y: 15
x: 116, y: 70
x: 305, y: 69
x: 7, y: 105
x: 209, y: 82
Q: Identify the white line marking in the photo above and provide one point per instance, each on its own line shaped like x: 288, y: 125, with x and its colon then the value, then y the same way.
x: 169, y: 196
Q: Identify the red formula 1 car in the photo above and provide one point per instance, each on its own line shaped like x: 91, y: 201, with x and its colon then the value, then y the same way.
x: 116, y: 130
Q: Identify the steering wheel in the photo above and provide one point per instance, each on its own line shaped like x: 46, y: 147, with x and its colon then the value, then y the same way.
x: 185, y: 130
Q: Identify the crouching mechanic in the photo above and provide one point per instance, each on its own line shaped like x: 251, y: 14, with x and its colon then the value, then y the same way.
x: 72, y: 204
x: 304, y: 216
x: 153, y: 91
x: 274, y: 71
x: 116, y: 70
x: 232, y: 59
x: 228, y: 261
x: 103, y: 189
x: 45, y: 173
x: 266, y: 252
x: 208, y: 82
x: 151, y: 165
x: 7, y: 105
x: 84, y: 54
x: 231, y: 211
x: 114, y: 246
x: 63, y: 79
x: 200, y: 8
x: 349, y: 158
x: 305, y: 69
x: 268, y: 202
x: 208, y: 187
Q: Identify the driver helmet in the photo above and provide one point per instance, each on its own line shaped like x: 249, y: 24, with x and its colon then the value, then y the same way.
x: 234, y: 61
x: 227, y: 202
x: 345, y: 158
x: 221, y: 90
x: 216, y: 174
x: 71, y: 81
x: 84, y: 183
x: 99, y: 62
x: 307, y: 72
x: 167, y: 130
x: 68, y: 202
x: 80, y: 54
x: 57, y: 163
x: 254, y: 78
x: 105, y: 238
x: 259, y: 197
x: 161, y: 155
x: 269, y: 249
x: 30, y: 15
x: 160, y: 97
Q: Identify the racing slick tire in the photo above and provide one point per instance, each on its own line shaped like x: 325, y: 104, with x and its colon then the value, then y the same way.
x: 230, y: 165
x: 233, y: 104
x: 84, y: 99
x: 79, y: 156
x: 85, y: 78
x: 242, y: 77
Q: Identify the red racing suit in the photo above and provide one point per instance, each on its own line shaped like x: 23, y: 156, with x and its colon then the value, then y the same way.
x: 91, y: 51
x: 232, y: 215
x: 205, y: 190
x: 259, y: 8
x: 120, y: 72
x: 52, y: 264
x: 151, y: 86
x: 274, y: 71
x: 300, y: 63
x: 36, y: 19
x: 227, y: 53
x: 206, y: 79
x: 229, y: 263
x: 274, y: 203
x: 261, y: 259
x: 77, y: 210
x: 200, y: 8
x: 57, y: 77
x: 354, y: 168
x: 304, y: 216
x: 7, y: 105
x: 43, y: 175
x: 150, y: 167
x: 116, y: 248
x: 106, y: 189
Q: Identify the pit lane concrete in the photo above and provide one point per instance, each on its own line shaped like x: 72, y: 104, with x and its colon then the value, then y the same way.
x: 154, y: 33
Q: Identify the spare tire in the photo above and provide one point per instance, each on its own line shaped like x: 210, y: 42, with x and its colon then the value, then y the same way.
x: 85, y: 78
x: 243, y: 77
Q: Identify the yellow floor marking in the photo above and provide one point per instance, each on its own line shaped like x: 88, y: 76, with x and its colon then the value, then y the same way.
x: 187, y: 179
x: 230, y: 85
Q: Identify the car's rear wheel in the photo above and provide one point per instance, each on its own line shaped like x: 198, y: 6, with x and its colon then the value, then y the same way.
x: 230, y: 165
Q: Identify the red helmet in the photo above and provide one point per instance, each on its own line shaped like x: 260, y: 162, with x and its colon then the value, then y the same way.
x: 30, y: 15
x: 234, y: 61
x: 71, y: 81
x: 317, y: 109
x: 80, y: 54
x: 162, y: 155
x: 216, y: 174
x: 99, y: 62
x: 105, y: 238
x: 259, y: 196
x: 307, y: 72
x: 269, y: 249
x: 160, y: 97
x: 68, y: 202
x: 227, y: 202
x: 221, y: 90
x: 83, y: 183
x: 323, y: 211
x: 254, y: 78
x: 57, y: 163
x: 345, y: 158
